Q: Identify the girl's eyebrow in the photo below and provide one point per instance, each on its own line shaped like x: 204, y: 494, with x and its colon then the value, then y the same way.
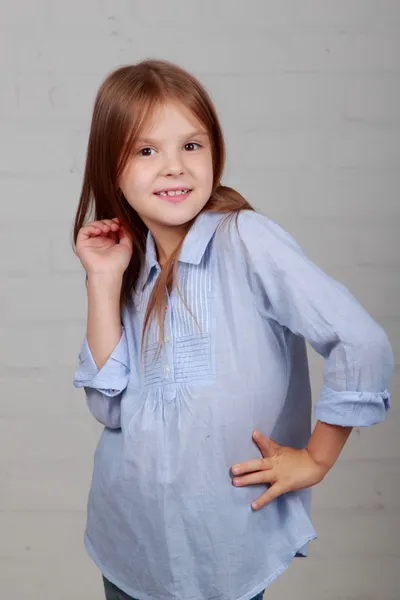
x: 191, y: 134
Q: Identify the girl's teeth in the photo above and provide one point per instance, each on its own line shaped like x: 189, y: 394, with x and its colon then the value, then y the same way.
x: 174, y: 193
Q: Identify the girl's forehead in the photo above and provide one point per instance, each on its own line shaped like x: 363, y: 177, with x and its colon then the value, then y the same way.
x: 170, y: 114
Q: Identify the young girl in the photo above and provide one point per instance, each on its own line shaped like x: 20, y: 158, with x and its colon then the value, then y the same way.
x: 194, y: 358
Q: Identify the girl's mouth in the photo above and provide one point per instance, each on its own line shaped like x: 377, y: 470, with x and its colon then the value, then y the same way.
x: 174, y: 196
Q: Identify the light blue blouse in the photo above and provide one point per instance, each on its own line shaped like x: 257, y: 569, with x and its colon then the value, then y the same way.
x: 164, y: 520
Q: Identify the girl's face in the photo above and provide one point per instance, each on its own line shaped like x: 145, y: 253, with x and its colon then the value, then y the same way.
x: 173, y: 154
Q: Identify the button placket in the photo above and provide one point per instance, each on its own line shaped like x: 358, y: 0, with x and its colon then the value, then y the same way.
x: 168, y: 368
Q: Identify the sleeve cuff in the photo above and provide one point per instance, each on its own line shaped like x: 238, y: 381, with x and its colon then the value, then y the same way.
x: 112, y: 378
x: 352, y: 409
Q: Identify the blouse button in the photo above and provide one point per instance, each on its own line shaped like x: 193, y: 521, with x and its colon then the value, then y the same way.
x: 167, y: 339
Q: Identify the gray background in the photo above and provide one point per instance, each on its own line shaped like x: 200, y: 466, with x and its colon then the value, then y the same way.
x: 308, y: 94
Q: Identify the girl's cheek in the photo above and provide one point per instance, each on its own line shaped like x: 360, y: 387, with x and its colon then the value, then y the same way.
x: 139, y: 176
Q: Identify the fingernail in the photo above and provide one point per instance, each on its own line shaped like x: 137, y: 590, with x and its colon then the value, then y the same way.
x: 235, y: 469
x: 254, y: 505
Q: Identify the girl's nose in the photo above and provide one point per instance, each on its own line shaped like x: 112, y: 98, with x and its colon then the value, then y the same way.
x: 175, y: 171
x: 174, y: 165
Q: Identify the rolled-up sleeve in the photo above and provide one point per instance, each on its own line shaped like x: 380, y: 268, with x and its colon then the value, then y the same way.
x: 296, y: 293
x: 104, y: 386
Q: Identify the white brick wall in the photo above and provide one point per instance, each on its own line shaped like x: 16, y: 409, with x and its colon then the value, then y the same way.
x: 308, y: 93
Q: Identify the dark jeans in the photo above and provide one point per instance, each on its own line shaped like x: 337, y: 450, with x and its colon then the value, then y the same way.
x: 114, y: 593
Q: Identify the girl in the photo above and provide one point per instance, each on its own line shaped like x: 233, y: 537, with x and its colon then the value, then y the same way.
x: 194, y: 358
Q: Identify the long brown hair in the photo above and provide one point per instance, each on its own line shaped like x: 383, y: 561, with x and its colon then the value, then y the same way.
x: 123, y: 106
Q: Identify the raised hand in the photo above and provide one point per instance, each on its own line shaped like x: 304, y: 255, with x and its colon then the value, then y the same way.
x: 104, y: 247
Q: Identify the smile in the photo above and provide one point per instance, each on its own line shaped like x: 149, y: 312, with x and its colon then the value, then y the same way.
x: 174, y: 195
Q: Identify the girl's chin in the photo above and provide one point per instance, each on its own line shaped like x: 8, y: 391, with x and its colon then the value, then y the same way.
x: 168, y: 214
x: 176, y: 221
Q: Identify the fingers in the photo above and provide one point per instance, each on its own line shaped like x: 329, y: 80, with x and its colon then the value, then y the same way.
x: 258, y: 464
x: 273, y: 492
x: 265, y: 476
x: 107, y: 225
x: 103, y: 226
x: 266, y: 446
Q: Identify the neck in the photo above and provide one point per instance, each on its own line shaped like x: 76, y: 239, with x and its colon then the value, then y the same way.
x: 167, y: 240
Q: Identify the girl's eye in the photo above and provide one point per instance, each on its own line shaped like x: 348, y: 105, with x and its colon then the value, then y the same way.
x: 191, y: 144
x: 146, y: 151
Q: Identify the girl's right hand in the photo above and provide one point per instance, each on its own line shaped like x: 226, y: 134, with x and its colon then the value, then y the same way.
x: 104, y: 247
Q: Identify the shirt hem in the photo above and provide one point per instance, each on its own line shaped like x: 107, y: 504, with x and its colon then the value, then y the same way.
x: 285, y: 565
x: 248, y: 596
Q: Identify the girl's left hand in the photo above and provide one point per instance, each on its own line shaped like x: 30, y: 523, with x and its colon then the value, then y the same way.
x: 286, y: 469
